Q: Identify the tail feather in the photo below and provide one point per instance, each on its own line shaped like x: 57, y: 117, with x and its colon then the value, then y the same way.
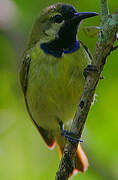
x: 81, y: 159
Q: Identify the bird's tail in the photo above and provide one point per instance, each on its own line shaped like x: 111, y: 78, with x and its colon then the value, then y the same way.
x: 81, y: 161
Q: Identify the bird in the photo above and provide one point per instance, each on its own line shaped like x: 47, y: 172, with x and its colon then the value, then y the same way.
x: 51, y: 75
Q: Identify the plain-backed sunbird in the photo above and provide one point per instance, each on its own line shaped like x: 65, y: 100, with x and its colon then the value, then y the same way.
x: 51, y: 74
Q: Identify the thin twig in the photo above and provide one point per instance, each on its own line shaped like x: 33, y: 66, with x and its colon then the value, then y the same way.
x: 104, y: 11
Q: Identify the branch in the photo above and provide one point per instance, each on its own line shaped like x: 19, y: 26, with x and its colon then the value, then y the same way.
x: 104, y: 11
x: 104, y: 46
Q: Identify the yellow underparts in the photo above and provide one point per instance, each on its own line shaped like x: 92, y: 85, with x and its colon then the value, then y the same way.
x: 55, y: 86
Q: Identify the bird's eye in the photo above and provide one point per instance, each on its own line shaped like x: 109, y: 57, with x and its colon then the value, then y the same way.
x: 57, y: 18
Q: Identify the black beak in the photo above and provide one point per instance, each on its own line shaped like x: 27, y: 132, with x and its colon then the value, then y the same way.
x: 83, y: 15
x: 68, y: 31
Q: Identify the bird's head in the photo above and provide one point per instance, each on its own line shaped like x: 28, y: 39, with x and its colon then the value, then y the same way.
x: 58, y: 22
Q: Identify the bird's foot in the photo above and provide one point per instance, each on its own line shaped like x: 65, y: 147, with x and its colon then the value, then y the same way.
x: 70, y: 136
x: 90, y: 68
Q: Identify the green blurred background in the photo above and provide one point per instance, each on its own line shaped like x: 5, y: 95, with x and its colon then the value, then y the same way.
x: 23, y: 154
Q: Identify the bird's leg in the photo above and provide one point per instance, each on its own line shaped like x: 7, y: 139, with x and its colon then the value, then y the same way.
x: 90, y: 68
x: 70, y: 136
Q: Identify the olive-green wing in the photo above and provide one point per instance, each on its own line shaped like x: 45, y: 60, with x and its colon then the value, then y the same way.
x: 24, y: 69
x: 48, y: 138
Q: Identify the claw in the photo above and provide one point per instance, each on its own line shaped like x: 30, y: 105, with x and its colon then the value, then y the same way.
x: 69, y: 135
x: 88, y: 69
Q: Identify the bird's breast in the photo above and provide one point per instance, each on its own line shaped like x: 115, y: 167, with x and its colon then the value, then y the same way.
x: 55, y: 86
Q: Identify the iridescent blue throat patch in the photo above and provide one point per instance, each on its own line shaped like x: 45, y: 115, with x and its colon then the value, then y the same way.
x: 57, y: 52
x: 75, y: 48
